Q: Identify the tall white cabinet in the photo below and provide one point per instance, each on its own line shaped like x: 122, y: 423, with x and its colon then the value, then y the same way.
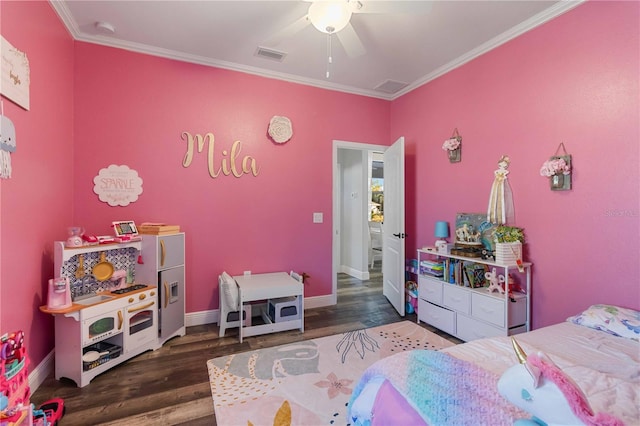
x: 163, y: 257
x: 473, y: 313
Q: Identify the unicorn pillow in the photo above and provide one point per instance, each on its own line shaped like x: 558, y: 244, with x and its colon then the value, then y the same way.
x: 539, y: 387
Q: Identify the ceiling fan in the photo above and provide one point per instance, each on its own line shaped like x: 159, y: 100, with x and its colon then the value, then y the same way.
x: 334, y: 16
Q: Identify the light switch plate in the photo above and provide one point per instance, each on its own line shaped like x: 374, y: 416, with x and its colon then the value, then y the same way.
x: 317, y: 218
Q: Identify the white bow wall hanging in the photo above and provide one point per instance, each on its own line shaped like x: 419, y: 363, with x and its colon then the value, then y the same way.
x: 501, y: 209
x: 7, y: 145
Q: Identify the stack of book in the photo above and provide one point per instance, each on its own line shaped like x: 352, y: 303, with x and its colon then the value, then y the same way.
x: 149, y: 228
x: 432, y: 267
x: 464, y: 273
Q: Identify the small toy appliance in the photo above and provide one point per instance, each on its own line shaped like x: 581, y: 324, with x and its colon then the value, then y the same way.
x: 75, y: 236
x: 59, y: 296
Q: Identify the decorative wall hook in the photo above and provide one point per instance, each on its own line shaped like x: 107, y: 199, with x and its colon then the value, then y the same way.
x: 558, y: 169
x: 453, y: 146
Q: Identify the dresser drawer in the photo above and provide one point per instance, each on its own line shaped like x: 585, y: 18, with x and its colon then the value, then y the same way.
x: 471, y: 329
x: 517, y: 311
x: 456, y: 298
x: 430, y: 289
x: 438, y: 317
x: 487, y: 308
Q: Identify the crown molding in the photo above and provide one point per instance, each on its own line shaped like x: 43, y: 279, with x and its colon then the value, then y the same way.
x: 531, y: 23
x: 525, y: 26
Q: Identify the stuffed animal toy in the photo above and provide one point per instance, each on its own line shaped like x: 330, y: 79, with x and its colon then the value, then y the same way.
x: 7, y: 145
x: 539, y: 387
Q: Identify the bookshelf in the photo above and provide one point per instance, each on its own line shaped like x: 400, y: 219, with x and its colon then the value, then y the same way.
x: 457, y: 302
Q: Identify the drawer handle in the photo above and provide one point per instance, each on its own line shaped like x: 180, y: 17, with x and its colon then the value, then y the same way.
x: 488, y: 311
x: 456, y: 299
x: 141, y: 307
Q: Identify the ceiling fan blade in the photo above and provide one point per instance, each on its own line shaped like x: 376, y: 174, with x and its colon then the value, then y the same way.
x: 288, y: 31
x: 351, y: 42
x: 414, y: 7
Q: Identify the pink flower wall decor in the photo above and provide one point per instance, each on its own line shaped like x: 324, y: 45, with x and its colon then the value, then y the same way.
x: 453, y: 147
x: 555, y: 166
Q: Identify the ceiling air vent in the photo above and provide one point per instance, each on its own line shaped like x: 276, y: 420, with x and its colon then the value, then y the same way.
x: 390, y: 86
x: 271, y: 54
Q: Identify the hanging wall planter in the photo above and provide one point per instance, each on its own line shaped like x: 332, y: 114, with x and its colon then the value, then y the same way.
x: 453, y: 147
x: 558, y: 170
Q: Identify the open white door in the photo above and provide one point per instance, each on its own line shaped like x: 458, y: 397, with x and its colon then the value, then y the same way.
x: 393, y: 226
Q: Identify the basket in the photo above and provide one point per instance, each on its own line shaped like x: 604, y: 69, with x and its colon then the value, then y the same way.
x: 508, y: 253
x: 114, y: 351
x: 283, y: 309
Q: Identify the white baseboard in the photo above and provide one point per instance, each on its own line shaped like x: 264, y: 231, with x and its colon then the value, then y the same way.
x: 318, y: 301
x: 38, y: 375
x: 361, y: 275
x: 201, y: 318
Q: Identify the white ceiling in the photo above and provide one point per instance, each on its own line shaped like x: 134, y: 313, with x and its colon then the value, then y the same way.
x: 413, y: 43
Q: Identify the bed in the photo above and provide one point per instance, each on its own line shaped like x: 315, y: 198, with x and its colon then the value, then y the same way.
x: 598, y: 350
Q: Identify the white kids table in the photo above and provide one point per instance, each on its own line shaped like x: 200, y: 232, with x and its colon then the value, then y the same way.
x: 270, y: 286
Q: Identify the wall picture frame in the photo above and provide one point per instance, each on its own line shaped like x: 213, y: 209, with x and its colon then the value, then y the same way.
x: 480, y: 230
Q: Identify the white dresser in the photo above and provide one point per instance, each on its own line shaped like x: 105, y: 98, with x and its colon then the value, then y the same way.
x: 473, y: 313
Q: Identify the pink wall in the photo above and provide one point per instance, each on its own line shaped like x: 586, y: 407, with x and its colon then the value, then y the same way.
x: 132, y: 109
x: 36, y: 204
x: 572, y: 80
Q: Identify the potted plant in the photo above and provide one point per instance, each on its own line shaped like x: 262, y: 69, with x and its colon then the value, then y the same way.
x: 556, y: 169
x: 509, y: 234
x: 509, y: 240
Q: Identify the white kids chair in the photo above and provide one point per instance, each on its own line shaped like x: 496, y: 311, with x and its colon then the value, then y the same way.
x: 230, y: 314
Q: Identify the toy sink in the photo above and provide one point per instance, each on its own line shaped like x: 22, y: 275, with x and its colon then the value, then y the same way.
x: 93, y: 299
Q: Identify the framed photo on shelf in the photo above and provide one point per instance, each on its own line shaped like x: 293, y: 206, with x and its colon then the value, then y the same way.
x: 473, y: 229
x: 125, y: 228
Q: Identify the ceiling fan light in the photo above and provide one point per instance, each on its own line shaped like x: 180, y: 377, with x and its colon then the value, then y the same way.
x: 329, y: 16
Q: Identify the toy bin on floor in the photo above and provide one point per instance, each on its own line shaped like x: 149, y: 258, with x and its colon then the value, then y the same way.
x: 232, y: 317
x: 283, y: 309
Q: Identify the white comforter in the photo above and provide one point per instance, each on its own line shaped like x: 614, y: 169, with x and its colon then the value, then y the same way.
x: 606, y: 367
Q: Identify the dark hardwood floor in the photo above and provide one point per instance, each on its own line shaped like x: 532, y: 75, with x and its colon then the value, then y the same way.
x: 170, y: 386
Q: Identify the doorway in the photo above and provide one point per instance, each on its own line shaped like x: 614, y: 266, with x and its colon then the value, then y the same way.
x: 354, y: 207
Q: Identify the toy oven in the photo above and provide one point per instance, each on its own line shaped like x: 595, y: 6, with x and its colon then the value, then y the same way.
x: 102, y: 326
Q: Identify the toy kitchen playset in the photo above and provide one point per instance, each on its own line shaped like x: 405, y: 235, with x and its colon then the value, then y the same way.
x: 109, y: 302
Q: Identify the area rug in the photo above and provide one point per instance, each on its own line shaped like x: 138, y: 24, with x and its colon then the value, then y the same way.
x: 308, y: 382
